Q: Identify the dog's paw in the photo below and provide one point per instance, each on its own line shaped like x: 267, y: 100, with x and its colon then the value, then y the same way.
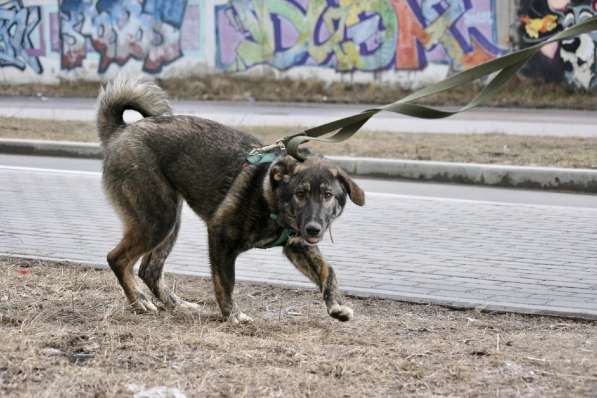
x: 340, y: 312
x: 143, y: 305
x: 187, y: 307
x: 239, y: 317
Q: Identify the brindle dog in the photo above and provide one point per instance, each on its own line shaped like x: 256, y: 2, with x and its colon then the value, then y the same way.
x: 151, y: 165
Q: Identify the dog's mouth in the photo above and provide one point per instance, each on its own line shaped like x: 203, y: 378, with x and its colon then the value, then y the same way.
x: 312, y: 240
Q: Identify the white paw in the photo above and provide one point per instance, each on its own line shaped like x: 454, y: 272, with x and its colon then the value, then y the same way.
x: 341, y: 312
x: 239, y: 317
x: 187, y: 307
x: 144, y: 305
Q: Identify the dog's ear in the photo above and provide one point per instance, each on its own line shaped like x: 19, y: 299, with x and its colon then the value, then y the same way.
x: 283, y: 169
x: 356, y: 194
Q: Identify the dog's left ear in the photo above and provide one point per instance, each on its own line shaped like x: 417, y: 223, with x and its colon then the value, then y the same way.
x: 356, y: 194
x: 283, y: 169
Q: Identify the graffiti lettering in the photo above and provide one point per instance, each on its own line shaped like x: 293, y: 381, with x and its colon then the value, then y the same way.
x: 17, y: 23
x: 351, y: 35
x: 573, y: 61
x: 459, y: 32
x: 120, y: 30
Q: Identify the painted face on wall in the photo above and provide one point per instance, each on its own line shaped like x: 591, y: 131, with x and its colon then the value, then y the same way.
x: 579, y: 53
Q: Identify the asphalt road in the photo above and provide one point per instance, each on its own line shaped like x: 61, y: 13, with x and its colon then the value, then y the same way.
x: 483, y: 120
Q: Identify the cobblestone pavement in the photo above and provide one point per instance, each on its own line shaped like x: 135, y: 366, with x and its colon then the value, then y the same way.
x: 497, y: 256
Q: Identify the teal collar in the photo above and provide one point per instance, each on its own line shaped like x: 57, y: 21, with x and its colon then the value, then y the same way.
x: 259, y: 157
x: 286, y: 234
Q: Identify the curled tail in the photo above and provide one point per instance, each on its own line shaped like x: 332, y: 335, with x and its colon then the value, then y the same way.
x: 127, y: 93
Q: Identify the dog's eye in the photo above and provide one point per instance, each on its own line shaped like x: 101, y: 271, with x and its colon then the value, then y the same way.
x: 328, y: 195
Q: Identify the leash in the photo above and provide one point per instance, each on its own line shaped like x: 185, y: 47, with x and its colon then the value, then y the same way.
x: 506, y: 66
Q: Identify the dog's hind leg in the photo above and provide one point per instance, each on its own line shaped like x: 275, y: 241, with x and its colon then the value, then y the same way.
x: 122, y: 260
x: 309, y: 261
x: 151, y: 268
x: 149, y: 210
x: 152, y: 265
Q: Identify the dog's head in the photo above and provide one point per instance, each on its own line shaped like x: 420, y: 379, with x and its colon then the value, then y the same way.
x: 311, y: 194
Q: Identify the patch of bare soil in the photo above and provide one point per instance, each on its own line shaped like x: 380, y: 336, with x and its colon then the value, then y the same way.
x: 475, y: 148
x: 65, y: 331
x: 520, y: 92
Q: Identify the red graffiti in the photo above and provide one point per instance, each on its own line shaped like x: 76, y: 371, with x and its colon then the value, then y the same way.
x: 410, y: 32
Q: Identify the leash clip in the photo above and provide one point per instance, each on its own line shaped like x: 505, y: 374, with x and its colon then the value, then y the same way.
x: 269, y: 148
x: 265, y: 154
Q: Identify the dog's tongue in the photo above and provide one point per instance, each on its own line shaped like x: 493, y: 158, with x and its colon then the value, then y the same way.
x: 312, y: 240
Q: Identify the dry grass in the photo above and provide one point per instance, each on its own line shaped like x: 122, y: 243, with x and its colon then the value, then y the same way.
x: 519, y: 93
x: 477, y: 148
x: 64, y: 331
x: 39, y: 129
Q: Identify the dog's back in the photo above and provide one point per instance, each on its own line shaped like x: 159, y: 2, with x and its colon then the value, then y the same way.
x: 196, y: 158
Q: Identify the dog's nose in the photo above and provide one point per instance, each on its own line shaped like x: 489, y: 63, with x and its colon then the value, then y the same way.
x: 313, y: 229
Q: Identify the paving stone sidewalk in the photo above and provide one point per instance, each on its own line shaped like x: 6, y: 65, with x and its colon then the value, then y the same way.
x: 497, y: 256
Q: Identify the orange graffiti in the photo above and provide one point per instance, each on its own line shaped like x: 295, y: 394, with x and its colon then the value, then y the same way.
x: 410, y: 30
x: 478, y: 56
x: 536, y: 26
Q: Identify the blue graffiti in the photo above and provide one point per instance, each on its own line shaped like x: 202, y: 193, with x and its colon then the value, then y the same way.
x: 17, y: 23
x: 171, y: 12
x: 120, y: 30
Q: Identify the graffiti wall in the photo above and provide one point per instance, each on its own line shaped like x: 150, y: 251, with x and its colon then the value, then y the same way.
x: 20, y: 42
x: 148, y: 31
x: 90, y: 39
x: 43, y: 40
x: 572, y: 62
x: 355, y: 35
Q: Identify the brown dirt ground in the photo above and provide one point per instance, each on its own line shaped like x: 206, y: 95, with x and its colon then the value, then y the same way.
x: 64, y: 331
x: 520, y: 92
x: 477, y: 148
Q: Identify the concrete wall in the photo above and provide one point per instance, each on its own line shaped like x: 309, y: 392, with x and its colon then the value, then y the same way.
x: 404, y: 40
x: 408, y: 41
x: 45, y: 40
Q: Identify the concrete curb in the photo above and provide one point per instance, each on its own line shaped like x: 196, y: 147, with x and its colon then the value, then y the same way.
x: 67, y: 149
x: 548, y: 178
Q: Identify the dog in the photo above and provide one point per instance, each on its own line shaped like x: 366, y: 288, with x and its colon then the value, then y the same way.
x: 152, y: 165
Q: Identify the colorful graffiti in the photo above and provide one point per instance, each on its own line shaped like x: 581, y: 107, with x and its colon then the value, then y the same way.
x: 17, y: 24
x: 355, y: 35
x: 145, y: 30
x: 572, y: 61
x: 285, y: 34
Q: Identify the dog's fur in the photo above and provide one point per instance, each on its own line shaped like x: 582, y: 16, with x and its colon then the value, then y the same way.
x: 152, y: 165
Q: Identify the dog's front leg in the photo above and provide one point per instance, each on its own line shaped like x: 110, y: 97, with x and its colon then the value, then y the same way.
x: 309, y: 261
x: 222, y: 261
